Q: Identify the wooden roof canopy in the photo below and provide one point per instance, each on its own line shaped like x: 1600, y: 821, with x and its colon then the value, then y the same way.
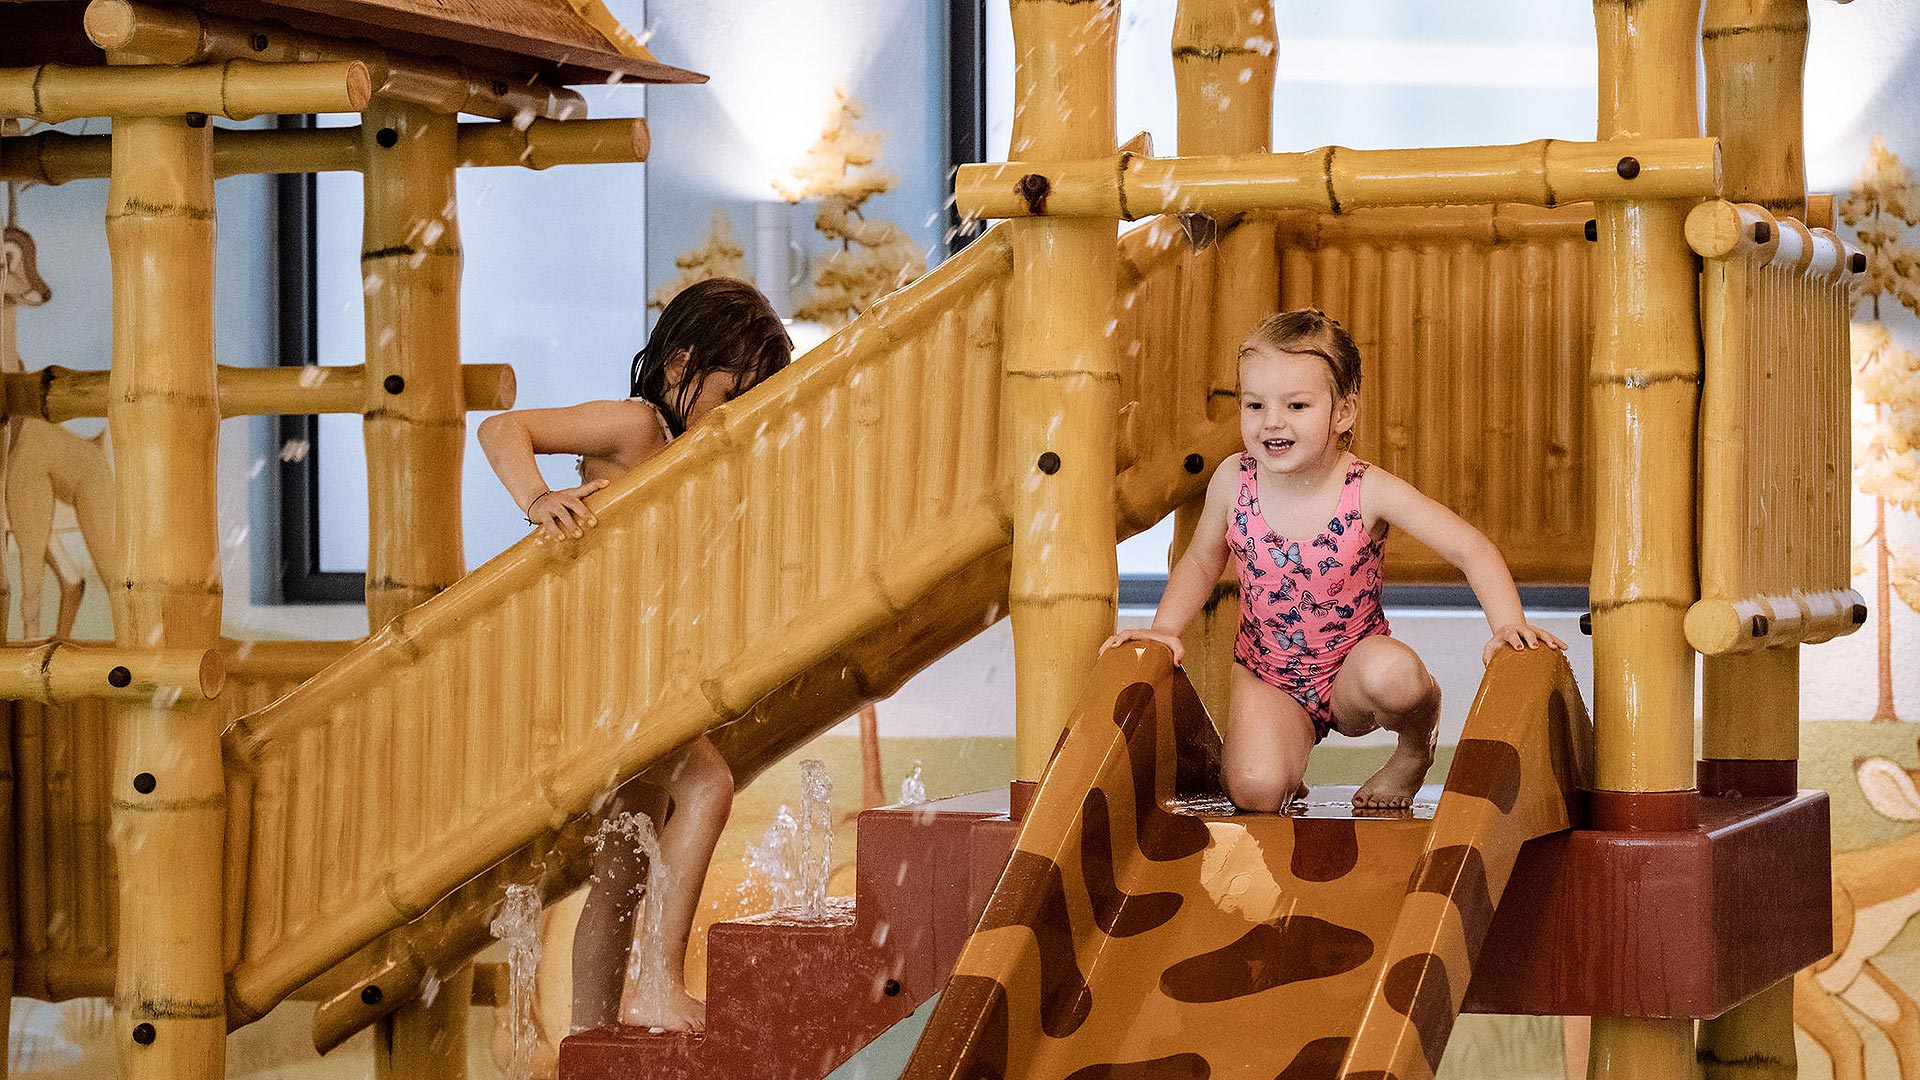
x: 563, y: 42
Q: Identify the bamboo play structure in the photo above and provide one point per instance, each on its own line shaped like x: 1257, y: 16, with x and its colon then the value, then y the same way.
x: 334, y: 821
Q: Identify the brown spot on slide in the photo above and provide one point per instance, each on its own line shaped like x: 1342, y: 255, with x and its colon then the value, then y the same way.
x: 967, y: 1035
x: 1118, y: 913
x: 1172, y: 1067
x: 1162, y: 837
x: 1418, y: 989
x: 1487, y: 769
x: 1318, y: 1060
x: 1324, y: 849
x: 1294, y: 949
x: 1459, y: 873
x: 1031, y: 894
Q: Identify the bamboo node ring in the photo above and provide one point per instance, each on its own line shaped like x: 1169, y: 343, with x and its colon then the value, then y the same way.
x: 144, y: 1034
x: 1049, y: 463
x: 1628, y: 168
x: 119, y: 677
x: 1033, y: 190
x: 145, y: 783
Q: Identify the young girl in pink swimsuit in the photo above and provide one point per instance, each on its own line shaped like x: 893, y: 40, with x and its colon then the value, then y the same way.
x: 1306, y: 523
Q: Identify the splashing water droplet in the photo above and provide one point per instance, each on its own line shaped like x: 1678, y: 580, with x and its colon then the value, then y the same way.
x: 518, y: 924
x: 913, y: 789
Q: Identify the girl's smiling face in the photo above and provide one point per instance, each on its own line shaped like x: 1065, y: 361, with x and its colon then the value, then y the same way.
x: 1290, y: 420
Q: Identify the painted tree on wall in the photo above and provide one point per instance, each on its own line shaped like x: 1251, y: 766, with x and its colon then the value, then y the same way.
x: 721, y: 255
x: 875, y: 257
x: 1886, y: 438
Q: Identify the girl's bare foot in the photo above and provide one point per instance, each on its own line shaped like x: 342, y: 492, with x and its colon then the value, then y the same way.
x: 681, y: 1012
x: 1393, y: 787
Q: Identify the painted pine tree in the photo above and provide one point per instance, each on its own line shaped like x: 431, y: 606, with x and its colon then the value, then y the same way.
x: 875, y: 257
x: 720, y: 255
x: 1886, y: 381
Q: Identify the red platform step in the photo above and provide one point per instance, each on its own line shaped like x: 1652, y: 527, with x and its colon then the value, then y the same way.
x: 790, y: 999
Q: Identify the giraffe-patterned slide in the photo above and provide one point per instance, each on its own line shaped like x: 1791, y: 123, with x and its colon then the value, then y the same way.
x: 1143, y: 929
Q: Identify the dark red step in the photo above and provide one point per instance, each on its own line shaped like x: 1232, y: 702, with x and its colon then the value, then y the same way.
x: 791, y: 1000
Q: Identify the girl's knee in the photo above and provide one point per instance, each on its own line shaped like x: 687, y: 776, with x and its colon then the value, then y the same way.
x: 1260, y: 791
x: 704, y: 778
x: 1397, y: 682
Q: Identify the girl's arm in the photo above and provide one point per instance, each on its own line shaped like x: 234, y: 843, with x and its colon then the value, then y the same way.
x: 1192, y: 581
x: 621, y: 430
x: 1402, y: 506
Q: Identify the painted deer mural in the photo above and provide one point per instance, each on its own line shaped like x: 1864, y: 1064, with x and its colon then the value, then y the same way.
x: 47, y: 466
x: 1876, y: 890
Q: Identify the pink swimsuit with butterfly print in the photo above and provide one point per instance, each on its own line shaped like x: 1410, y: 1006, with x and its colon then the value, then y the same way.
x: 1304, y: 603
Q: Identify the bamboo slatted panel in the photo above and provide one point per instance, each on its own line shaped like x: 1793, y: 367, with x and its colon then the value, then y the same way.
x: 1775, y: 562
x: 1474, y: 338
x: 802, y: 550
x: 63, y: 759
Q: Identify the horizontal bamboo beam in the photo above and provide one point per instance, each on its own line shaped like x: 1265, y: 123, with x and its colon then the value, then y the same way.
x: 55, y: 157
x: 177, y: 35
x: 1334, y: 179
x: 237, y: 89
x: 1494, y: 223
x: 281, y: 659
x: 56, y: 394
x: 1716, y: 627
x: 59, y: 672
x: 1724, y: 230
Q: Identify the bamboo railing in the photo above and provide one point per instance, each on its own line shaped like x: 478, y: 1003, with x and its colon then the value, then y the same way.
x: 802, y: 550
x: 55, y: 157
x: 63, y: 757
x: 56, y: 394
x: 1775, y: 565
x: 1472, y: 327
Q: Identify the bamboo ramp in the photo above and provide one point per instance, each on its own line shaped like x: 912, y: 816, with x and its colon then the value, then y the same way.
x: 801, y: 551
x: 1140, y: 918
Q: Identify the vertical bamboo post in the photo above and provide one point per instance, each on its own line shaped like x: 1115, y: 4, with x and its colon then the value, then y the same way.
x: 1644, y: 392
x: 1062, y: 384
x: 415, y: 434
x: 1223, y: 67
x: 1756, y: 54
x: 169, y: 790
x: 416, y: 405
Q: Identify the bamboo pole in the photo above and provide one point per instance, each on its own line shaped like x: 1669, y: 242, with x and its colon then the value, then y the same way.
x: 55, y: 157
x: 181, y: 35
x: 238, y: 90
x: 57, y: 394
x: 1643, y: 394
x: 1756, y: 54
x: 1546, y: 172
x: 1487, y: 224
x: 415, y: 412
x: 1061, y: 381
x: 169, y: 789
x: 59, y: 672
x: 1223, y: 68
x: 415, y: 434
